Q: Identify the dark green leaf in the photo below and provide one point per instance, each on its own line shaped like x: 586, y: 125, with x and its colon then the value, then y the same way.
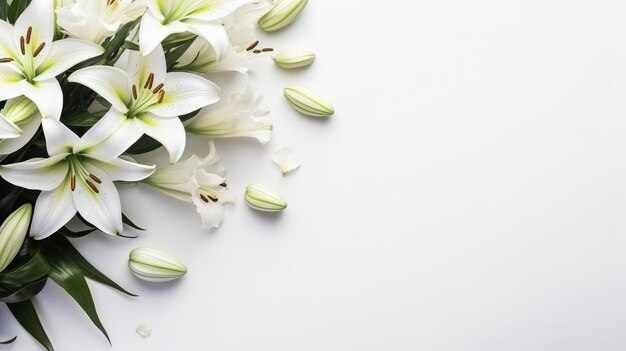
x: 173, y: 55
x: 23, y: 292
x: 16, y: 9
x: 127, y: 221
x: 69, y: 277
x: 26, y: 315
x: 35, y: 268
x: 130, y: 45
x: 71, y: 234
x: 10, y: 341
x: 4, y: 9
x: 143, y: 145
x: 62, y: 245
x: 82, y: 119
x: 112, y: 47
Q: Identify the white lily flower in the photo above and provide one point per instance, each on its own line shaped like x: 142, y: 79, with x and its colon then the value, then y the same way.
x: 202, y: 58
x: 30, y: 60
x: 286, y: 159
x: 199, y: 181
x: 200, y: 17
x: 145, y: 99
x: 243, y: 116
x: 96, y: 20
x: 73, y: 180
x: 19, y: 121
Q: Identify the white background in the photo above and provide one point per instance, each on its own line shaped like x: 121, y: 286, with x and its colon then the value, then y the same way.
x: 469, y: 194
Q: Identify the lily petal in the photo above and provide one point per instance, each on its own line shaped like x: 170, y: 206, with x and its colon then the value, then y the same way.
x: 214, y: 33
x: 220, y: 11
x: 120, y: 169
x: 211, y: 214
x: 140, y: 67
x: 6, y: 40
x: 10, y: 83
x: 155, y: 8
x: 46, y: 94
x: 185, y: 93
x: 63, y: 55
x: 102, y: 208
x: 8, y: 130
x: 109, y: 82
x: 59, y: 139
x: 38, y: 173
x: 29, y: 128
x: 40, y: 16
x: 152, y: 32
x: 52, y: 211
x: 113, y: 134
x: 167, y: 131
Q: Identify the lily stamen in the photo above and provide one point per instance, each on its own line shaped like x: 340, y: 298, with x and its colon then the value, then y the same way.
x: 214, y: 199
x: 149, y: 82
x: 252, y: 46
x: 267, y: 49
x: 73, y: 183
x: 38, y: 50
x: 29, y: 32
x: 93, y: 187
x: 158, y: 87
x: 96, y: 179
x: 161, y: 95
x: 203, y: 198
x: 22, y: 46
x: 110, y: 2
x: 6, y: 59
x: 257, y: 51
x: 223, y: 185
x: 134, y: 88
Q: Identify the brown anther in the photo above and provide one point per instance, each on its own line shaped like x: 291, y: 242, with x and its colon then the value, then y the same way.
x: 73, y: 183
x: 161, y: 96
x: 257, y: 51
x: 6, y: 59
x: 29, y: 32
x: 96, y: 179
x: 252, y: 46
x: 158, y: 87
x: 110, y: 2
x: 149, y: 82
x: 93, y: 187
x: 224, y: 185
x: 203, y: 198
x: 267, y: 49
x: 39, y: 48
x: 134, y: 92
x: 22, y: 46
x: 214, y: 199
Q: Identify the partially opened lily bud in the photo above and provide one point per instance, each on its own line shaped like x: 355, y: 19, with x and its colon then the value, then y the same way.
x: 262, y: 198
x: 308, y: 103
x: 12, y: 234
x: 294, y: 58
x: 154, y: 266
x: 283, y: 13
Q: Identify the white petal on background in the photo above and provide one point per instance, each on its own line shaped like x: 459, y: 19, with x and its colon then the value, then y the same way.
x: 185, y: 93
x: 211, y: 213
x: 119, y: 169
x: 143, y: 328
x: 46, y: 94
x: 222, y: 10
x: 6, y: 40
x: 176, y: 180
x: 214, y: 33
x: 286, y: 160
x: 52, y: 211
x: 38, y: 173
x: 29, y: 128
x: 10, y: 83
x: 59, y: 138
x: 40, y: 15
x: 139, y: 67
x: 65, y: 54
x: 152, y: 32
x: 101, y: 209
x: 167, y: 131
x: 8, y: 130
x: 109, y: 82
x: 113, y: 134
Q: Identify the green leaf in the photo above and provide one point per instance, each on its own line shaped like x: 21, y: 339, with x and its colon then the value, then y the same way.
x: 69, y: 277
x: 36, y: 268
x: 10, y: 341
x: 63, y: 246
x: 143, y: 145
x: 26, y: 315
x: 23, y: 292
x: 4, y: 10
x: 16, y: 9
x: 173, y: 55
x: 71, y: 234
x: 82, y: 119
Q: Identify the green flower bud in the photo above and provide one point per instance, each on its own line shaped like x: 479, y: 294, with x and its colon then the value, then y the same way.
x: 283, y: 13
x: 262, y: 198
x: 12, y: 234
x: 294, y: 58
x: 154, y: 266
x: 19, y: 109
x: 305, y: 102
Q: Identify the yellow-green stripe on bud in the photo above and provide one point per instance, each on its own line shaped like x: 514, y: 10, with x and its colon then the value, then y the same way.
x: 308, y: 103
x: 12, y: 234
x: 154, y: 266
x: 294, y: 58
x: 282, y: 13
x: 262, y: 198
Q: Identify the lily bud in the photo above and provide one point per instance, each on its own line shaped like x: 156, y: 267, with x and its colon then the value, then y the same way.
x: 262, y: 198
x: 19, y: 109
x: 283, y: 13
x: 154, y: 266
x: 294, y: 58
x: 12, y: 234
x: 308, y: 103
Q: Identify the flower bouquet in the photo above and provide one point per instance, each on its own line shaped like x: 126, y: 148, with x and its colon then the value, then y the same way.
x: 87, y: 84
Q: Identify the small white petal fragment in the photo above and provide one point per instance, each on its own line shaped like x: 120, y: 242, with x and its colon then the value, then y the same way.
x: 294, y: 58
x: 144, y: 329
x: 154, y: 266
x: 283, y: 13
x: 308, y: 103
x: 12, y: 234
x: 286, y: 160
x: 262, y: 198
